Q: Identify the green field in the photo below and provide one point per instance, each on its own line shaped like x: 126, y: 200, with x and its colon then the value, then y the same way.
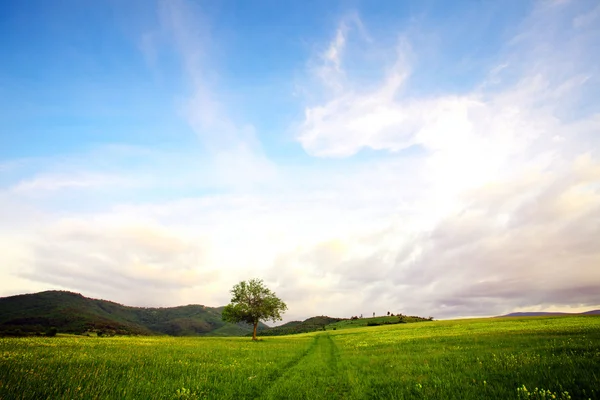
x: 500, y: 358
x: 356, y: 323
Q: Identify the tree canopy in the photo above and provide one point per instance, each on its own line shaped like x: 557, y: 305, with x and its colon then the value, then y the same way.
x: 252, y: 302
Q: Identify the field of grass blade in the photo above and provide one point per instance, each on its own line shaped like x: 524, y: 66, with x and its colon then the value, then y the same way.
x: 475, y: 359
x: 467, y: 359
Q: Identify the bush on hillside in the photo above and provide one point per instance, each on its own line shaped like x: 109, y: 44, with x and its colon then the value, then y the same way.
x: 51, y: 332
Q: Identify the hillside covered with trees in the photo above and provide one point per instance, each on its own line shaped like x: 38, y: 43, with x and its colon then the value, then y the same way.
x: 67, y: 312
x: 73, y: 313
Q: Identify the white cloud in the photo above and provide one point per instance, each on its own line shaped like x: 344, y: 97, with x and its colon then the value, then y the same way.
x: 470, y: 203
x: 237, y: 156
x: 46, y: 182
x: 587, y: 18
x: 505, y: 130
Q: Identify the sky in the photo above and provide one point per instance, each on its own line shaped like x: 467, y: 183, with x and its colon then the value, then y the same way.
x: 428, y: 158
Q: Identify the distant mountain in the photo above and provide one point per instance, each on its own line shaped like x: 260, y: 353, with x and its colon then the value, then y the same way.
x: 73, y: 313
x: 592, y: 312
x: 541, y: 314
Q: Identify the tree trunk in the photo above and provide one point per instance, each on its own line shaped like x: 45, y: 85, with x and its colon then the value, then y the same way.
x: 254, y: 332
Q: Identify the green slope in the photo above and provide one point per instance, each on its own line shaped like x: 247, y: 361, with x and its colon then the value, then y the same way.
x: 74, y: 313
x: 322, y: 323
x: 488, y: 358
x: 309, y: 325
x: 376, y: 321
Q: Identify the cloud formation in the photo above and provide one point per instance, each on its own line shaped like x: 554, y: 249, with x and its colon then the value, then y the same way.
x: 445, y: 203
x: 509, y: 179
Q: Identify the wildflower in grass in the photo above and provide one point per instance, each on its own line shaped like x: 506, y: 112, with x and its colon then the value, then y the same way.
x: 538, y: 393
x: 184, y: 393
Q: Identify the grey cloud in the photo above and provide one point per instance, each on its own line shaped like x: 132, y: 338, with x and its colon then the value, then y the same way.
x: 547, y: 255
x: 544, y: 254
x: 135, y: 263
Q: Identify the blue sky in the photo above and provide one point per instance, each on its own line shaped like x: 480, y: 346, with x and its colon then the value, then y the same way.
x: 87, y: 72
x: 422, y: 155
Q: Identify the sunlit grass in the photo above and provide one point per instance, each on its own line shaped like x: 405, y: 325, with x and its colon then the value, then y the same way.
x: 473, y: 358
x: 491, y: 358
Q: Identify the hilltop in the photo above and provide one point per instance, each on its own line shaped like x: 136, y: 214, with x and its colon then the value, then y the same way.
x: 74, y: 313
x: 323, y: 323
x: 308, y: 325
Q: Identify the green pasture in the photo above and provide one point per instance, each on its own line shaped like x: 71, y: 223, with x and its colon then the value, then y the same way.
x: 383, y: 320
x: 501, y: 358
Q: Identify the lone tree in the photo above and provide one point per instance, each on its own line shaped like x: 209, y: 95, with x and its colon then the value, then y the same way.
x: 251, y: 302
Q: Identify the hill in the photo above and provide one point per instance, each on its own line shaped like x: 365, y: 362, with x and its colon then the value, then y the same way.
x: 592, y: 312
x: 308, y: 325
x: 73, y: 313
x: 322, y: 323
x: 547, y: 314
x: 376, y: 321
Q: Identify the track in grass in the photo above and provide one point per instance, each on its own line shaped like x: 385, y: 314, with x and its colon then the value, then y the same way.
x: 315, y: 375
x: 276, y: 375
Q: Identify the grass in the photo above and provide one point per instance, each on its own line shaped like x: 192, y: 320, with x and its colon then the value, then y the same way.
x: 474, y: 359
x: 469, y: 359
x: 374, y: 321
x: 323, y: 323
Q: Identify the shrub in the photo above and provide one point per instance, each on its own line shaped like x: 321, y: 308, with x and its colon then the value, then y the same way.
x: 51, y: 332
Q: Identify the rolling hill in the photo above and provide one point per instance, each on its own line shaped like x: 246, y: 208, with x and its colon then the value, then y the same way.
x: 547, y: 314
x: 308, y: 325
x: 73, y: 313
x: 319, y: 323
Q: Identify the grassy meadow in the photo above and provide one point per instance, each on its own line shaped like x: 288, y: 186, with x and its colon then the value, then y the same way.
x: 502, y: 358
